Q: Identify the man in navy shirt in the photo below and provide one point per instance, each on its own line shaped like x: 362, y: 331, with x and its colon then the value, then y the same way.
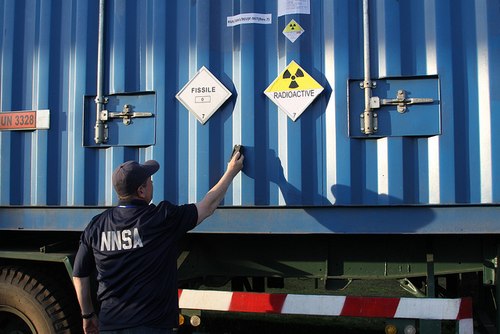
x: 133, y: 246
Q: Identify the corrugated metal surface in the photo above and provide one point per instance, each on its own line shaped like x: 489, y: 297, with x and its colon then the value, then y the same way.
x: 49, y: 61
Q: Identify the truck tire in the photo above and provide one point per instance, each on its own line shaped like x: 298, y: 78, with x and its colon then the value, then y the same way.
x: 29, y: 304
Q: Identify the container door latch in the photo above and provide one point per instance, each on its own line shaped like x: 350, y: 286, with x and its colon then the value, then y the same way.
x: 126, y: 114
x: 401, y: 101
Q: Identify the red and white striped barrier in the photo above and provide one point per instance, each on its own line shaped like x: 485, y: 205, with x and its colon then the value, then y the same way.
x: 370, y: 307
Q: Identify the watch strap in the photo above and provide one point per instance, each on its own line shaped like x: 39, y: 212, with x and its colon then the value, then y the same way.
x: 88, y: 315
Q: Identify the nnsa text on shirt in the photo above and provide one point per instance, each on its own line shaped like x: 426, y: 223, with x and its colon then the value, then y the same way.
x: 120, y: 240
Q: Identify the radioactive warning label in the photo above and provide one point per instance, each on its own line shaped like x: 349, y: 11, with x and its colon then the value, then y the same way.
x: 292, y: 31
x: 293, y: 90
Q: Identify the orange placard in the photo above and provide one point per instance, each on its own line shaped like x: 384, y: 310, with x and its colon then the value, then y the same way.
x: 18, y: 120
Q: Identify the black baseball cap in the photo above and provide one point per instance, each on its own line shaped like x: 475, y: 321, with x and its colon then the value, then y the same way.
x: 130, y: 175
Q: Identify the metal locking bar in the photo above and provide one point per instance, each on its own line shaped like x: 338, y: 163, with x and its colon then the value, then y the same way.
x: 126, y: 114
x: 400, y: 101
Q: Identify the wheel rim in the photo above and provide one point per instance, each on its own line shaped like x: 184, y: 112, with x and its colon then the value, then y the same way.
x: 15, y: 322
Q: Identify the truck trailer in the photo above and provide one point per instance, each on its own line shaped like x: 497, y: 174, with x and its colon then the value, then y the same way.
x: 367, y: 127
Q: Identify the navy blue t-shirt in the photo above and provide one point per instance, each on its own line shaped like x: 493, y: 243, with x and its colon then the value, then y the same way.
x: 134, y: 248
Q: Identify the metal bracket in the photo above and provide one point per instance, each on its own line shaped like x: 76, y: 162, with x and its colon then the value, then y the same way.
x: 408, y: 286
x: 368, y: 119
x: 401, y: 101
x: 126, y: 114
x: 368, y: 122
x: 368, y: 84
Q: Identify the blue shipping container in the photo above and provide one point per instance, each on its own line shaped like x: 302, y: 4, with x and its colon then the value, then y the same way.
x: 435, y: 154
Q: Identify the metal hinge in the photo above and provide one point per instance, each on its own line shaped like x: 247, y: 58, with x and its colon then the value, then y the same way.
x: 126, y: 114
x: 401, y: 101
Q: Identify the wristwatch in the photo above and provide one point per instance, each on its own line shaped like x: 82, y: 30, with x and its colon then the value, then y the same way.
x: 88, y: 315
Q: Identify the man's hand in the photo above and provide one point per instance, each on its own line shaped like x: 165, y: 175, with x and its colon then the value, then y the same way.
x: 236, y: 164
x: 82, y: 288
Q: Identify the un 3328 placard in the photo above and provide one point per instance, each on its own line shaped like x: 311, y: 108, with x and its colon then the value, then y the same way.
x: 24, y: 120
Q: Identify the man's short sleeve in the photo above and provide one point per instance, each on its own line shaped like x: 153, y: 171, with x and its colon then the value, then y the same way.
x: 183, y: 217
x: 84, y: 261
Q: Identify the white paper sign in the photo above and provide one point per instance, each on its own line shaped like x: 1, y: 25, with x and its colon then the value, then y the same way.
x: 286, y: 7
x: 247, y: 18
